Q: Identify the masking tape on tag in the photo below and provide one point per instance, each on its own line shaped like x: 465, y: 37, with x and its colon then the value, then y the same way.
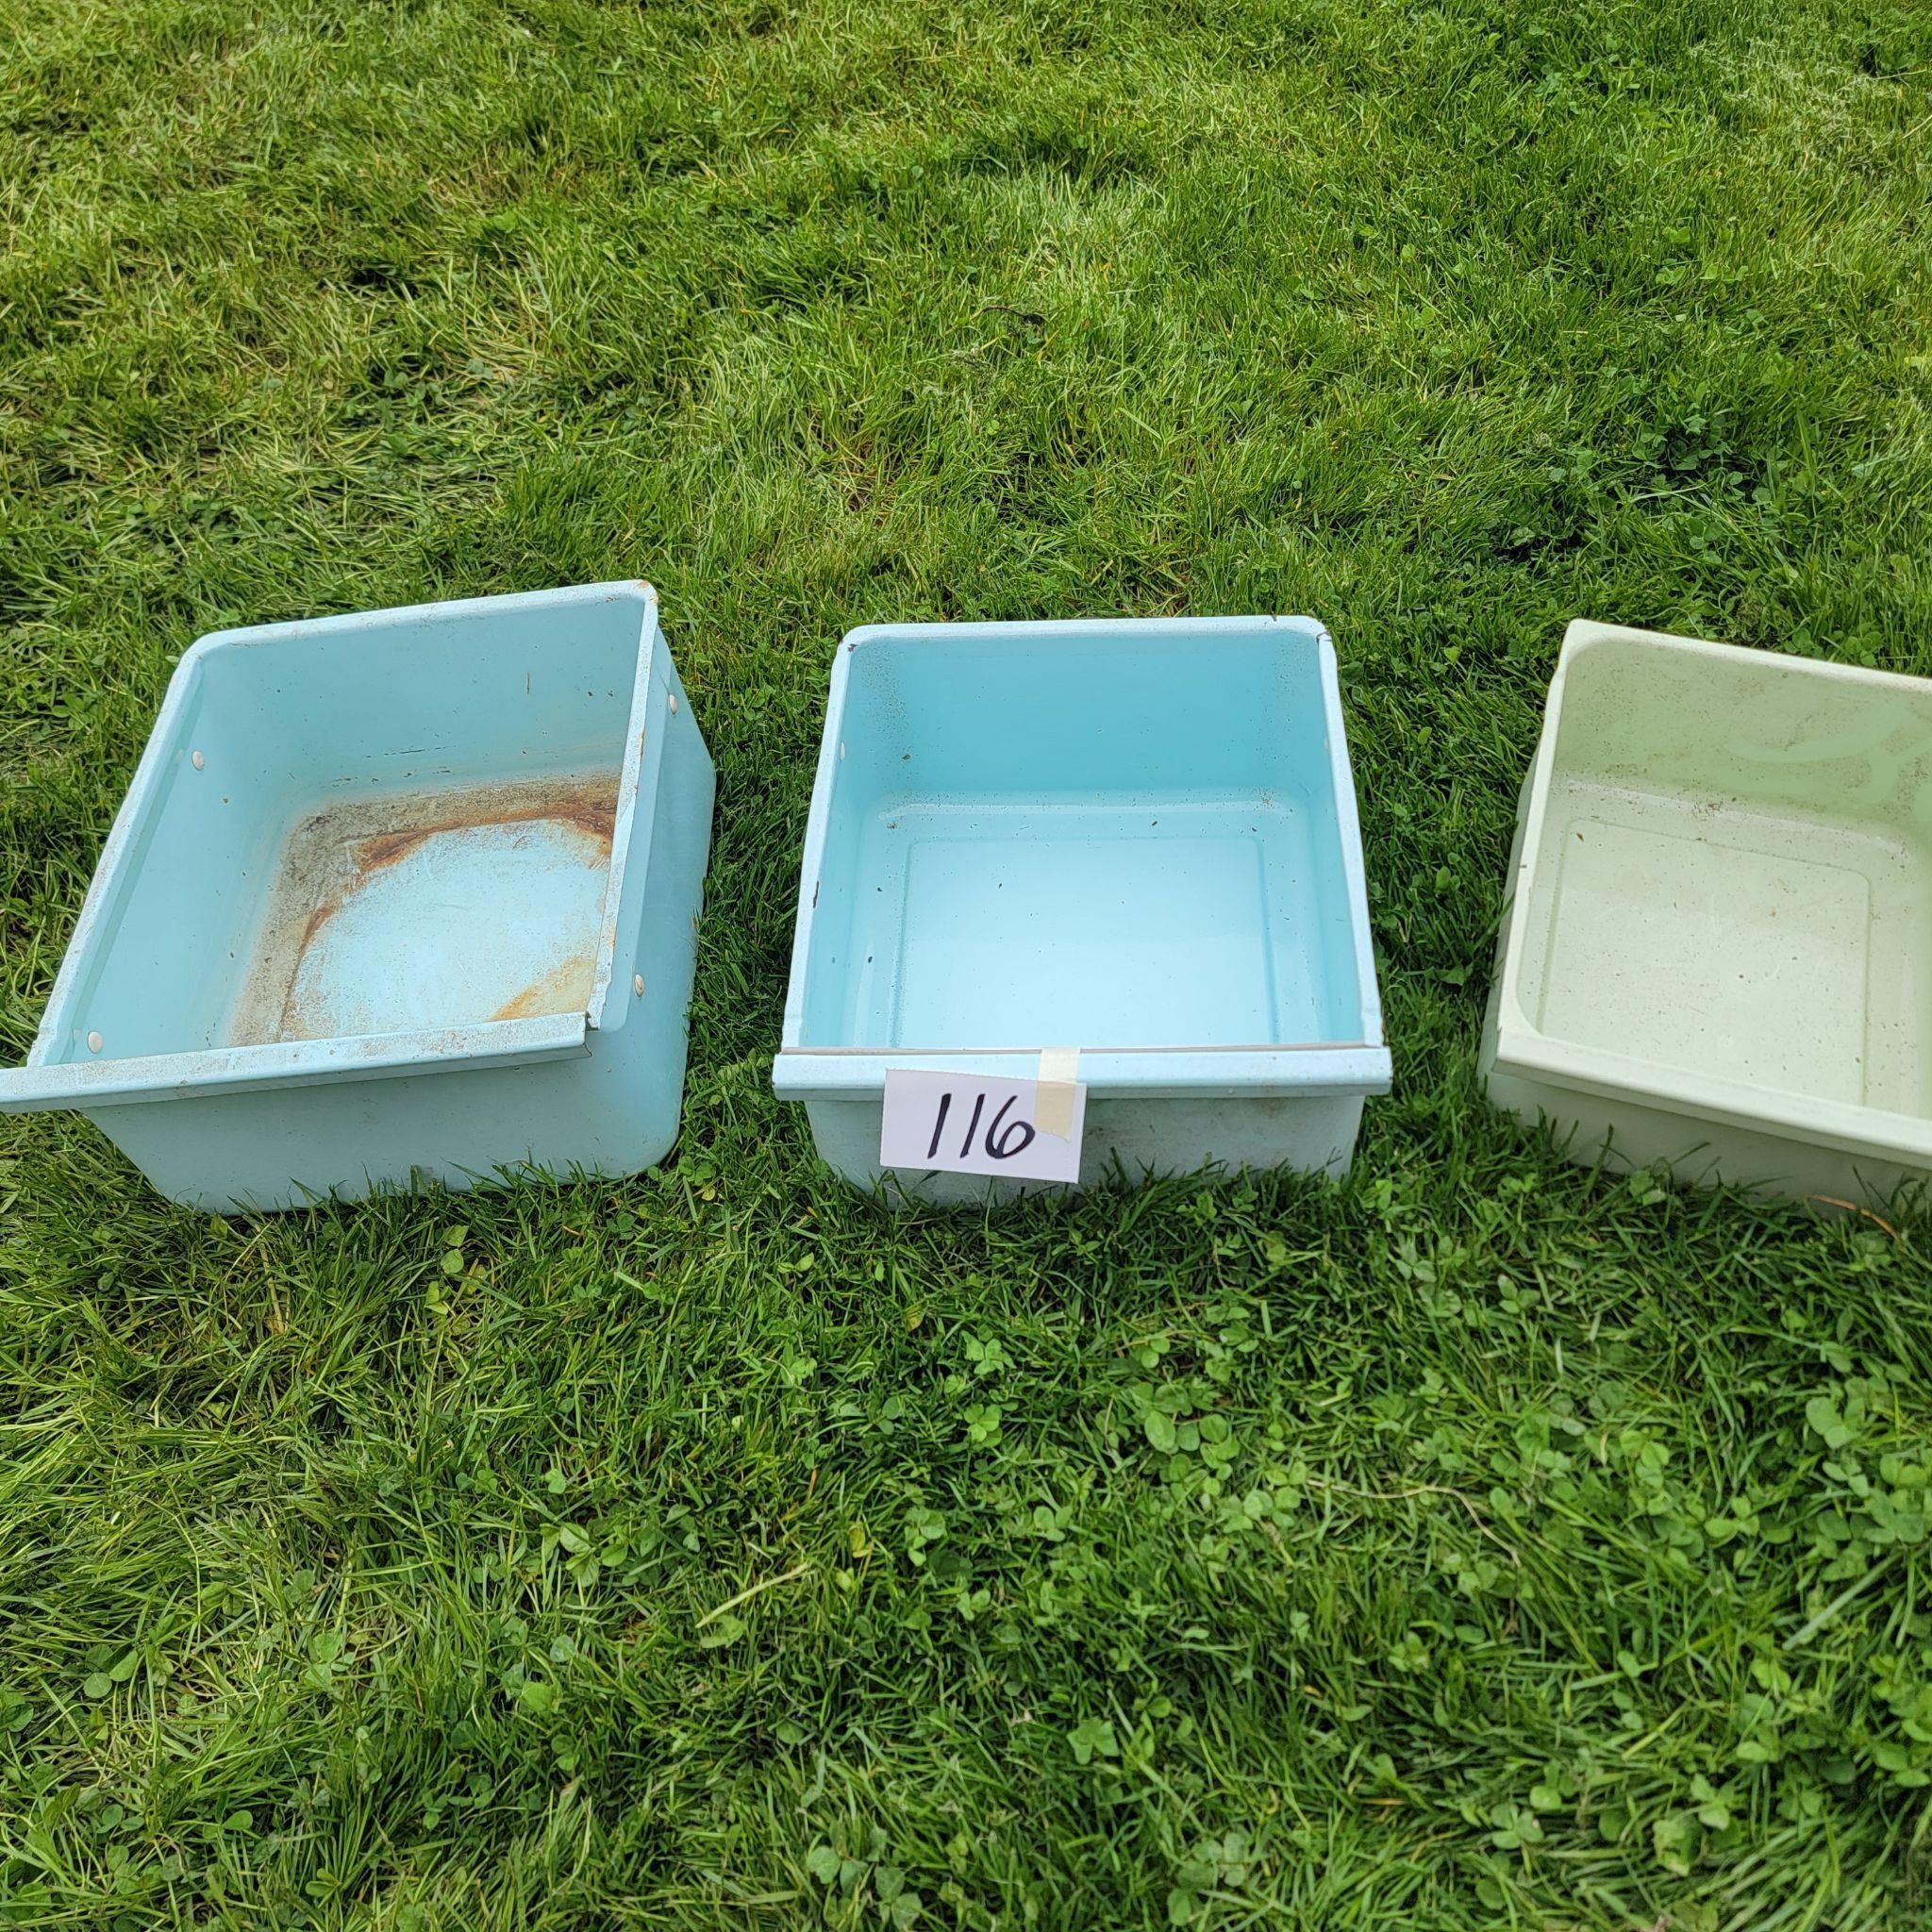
x: 1053, y: 1104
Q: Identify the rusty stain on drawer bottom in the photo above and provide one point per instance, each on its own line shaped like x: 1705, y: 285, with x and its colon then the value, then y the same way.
x: 433, y: 909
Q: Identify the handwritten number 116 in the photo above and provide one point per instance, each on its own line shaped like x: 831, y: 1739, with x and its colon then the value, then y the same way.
x: 1001, y: 1143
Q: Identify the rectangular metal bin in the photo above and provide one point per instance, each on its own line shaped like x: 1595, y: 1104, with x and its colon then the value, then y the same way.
x: 1718, y: 952
x: 408, y: 893
x: 1137, y: 838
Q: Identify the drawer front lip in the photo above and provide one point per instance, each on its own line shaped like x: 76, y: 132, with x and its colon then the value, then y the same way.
x: 1236, y: 1072
x: 34, y: 1088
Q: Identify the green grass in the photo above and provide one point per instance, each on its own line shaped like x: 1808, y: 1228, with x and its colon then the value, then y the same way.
x: 1482, y: 1543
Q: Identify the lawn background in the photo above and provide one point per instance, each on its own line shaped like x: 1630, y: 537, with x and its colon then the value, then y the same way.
x: 1481, y: 1543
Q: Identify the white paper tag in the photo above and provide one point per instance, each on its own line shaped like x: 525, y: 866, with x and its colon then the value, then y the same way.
x: 971, y: 1124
